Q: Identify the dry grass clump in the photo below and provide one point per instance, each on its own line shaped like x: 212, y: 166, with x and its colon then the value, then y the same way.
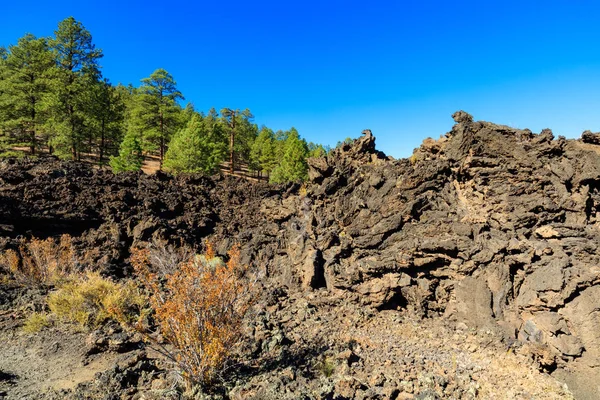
x: 199, y: 309
x: 90, y: 299
x: 86, y: 299
x: 36, y: 322
x: 40, y: 262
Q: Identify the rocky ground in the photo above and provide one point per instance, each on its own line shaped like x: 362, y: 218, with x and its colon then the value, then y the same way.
x: 469, y: 270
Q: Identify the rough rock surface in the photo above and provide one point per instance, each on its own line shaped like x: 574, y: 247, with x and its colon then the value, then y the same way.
x: 489, y: 227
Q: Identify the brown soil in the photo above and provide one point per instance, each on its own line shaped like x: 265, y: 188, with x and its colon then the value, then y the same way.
x: 51, y: 360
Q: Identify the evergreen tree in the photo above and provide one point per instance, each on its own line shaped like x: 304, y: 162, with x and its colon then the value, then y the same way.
x: 4, y: 134
x: 133, y: 110
x: 24, y: 86
x: 130, y: 155
x: 241, y: 134
x: 157, y: 109
x: 246, y: 132
x: 192, y: 150
x: 279, y: 144
x: 107, y: 118
x: 293, y: 165
x: 77, y: 60
x: 217, y: 136
x: 263, y: 157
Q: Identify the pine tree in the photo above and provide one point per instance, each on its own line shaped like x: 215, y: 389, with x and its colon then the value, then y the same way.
x: 130, y: 155
x: 279, y: 143
x: 293, y: 165
x: 4, y: 133
x: 24, y: 86
x: 157, y: 109
x: 263, y: 157
x: 107, y: 118
x: 241, y: 134
x: 192, y: 150
x: 217, y: 137
x: 246, y: 134
x: 77, y: 60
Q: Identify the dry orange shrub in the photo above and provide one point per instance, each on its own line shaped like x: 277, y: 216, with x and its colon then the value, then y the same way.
x: 40, y: 262
x: 199, y: 309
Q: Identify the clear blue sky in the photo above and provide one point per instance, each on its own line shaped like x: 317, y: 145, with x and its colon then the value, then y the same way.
x: 334, y: 68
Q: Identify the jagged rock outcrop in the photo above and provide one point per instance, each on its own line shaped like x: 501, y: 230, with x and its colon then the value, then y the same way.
x: 490, y: 226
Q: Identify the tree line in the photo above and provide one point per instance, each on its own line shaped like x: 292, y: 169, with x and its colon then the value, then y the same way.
x: 54, y: 99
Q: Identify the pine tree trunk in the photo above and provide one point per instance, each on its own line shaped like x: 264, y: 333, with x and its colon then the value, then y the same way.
x: 102, y: 142
x: 162, y: 139
x: 73, y: 139
x: 231, y: 144
x: 32, y: 144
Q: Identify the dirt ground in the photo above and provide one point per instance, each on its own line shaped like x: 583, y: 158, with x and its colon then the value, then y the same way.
x: 53, y: 359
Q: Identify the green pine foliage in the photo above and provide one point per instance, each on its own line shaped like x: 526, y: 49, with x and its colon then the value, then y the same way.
x: 194, y: 149
x: 25, y: 72
x: 130, y: 155
x: 106, y: 122
x: 78, y: 70
x: 242, y: 133
x: 293, y: 165
x: 263, y: 157
x: 157, y: 110
x: 54, y: 99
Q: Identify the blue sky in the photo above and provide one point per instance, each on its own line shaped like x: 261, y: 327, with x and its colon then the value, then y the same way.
x: 334, y: 68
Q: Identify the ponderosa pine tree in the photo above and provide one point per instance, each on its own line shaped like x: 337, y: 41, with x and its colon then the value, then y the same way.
x: 193, y: 150
x: 247, y: 131
x: 217, y: 137
x: 77, y: 60
x: 263, y: 157
x: 24, y: 87
x: 107, y: 118
x: 241, y: 134
x: 130, y: 155
x: 293, y: 165
x: 157, y: 109
x: 4, y: 135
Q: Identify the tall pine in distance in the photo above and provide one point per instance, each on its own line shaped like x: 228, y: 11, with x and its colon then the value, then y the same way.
x: 263, y: 156
x: 77, y: 70
x: 293, y: 166
x: 25, y: 72
x: 242, y: 133
x: 157, y: 110
x: 108, y: 113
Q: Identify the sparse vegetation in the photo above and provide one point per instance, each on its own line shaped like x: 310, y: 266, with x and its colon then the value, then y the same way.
x: 199, y: 309
x: 89, y: 300
x: 40, y: 262
x: 326, y: 367
x: 36, y: 322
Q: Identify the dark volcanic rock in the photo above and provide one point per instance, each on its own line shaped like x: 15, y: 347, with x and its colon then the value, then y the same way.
x: 590, y: 137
